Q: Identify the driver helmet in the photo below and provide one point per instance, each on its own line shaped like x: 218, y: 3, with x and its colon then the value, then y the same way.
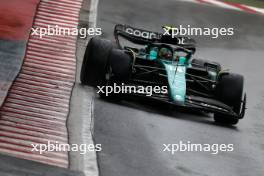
x: 165, y: 53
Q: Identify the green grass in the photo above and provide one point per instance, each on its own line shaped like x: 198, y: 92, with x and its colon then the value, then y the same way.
x: 254, y: 3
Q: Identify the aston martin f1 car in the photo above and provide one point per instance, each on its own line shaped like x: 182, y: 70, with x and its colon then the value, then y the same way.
x: 163, y: 60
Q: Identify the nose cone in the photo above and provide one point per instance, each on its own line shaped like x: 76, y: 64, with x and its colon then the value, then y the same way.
x: 176, y: 81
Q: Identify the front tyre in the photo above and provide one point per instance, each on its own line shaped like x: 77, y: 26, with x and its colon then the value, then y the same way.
x: 229, y: 91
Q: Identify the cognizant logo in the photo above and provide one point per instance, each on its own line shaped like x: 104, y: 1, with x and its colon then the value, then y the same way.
x: 143, y: 34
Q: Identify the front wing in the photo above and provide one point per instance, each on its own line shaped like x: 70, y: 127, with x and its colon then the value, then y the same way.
x: 204, y: 104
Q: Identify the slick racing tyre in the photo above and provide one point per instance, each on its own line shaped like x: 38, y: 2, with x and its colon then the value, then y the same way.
x: 95, y: 61
x: 121, y: 65
x: 229, y: 91
x: 119, y: 69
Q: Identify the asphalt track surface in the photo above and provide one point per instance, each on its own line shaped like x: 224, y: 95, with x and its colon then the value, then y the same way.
x: 10, y: 166
x: 132, y: 133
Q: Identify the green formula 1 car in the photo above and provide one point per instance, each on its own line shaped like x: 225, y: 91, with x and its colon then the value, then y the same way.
x: 165, y: 63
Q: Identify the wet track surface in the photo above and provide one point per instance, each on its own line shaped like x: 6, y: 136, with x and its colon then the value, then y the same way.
x: 132, y: 134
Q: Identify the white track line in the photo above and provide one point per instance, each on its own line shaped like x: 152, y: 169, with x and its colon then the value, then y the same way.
x: 93, y: 13
x: 259, y: 10
x: 239, y: 7
x: 221, y: 4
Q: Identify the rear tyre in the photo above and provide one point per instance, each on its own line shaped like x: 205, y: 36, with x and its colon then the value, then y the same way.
x: 119, y: 70
x: 121, y: 64
x: 229, y: 91
x: 95, y: 62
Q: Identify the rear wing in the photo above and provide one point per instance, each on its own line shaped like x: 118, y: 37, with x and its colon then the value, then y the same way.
x: 136, y: 35
x: 144, y: 37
